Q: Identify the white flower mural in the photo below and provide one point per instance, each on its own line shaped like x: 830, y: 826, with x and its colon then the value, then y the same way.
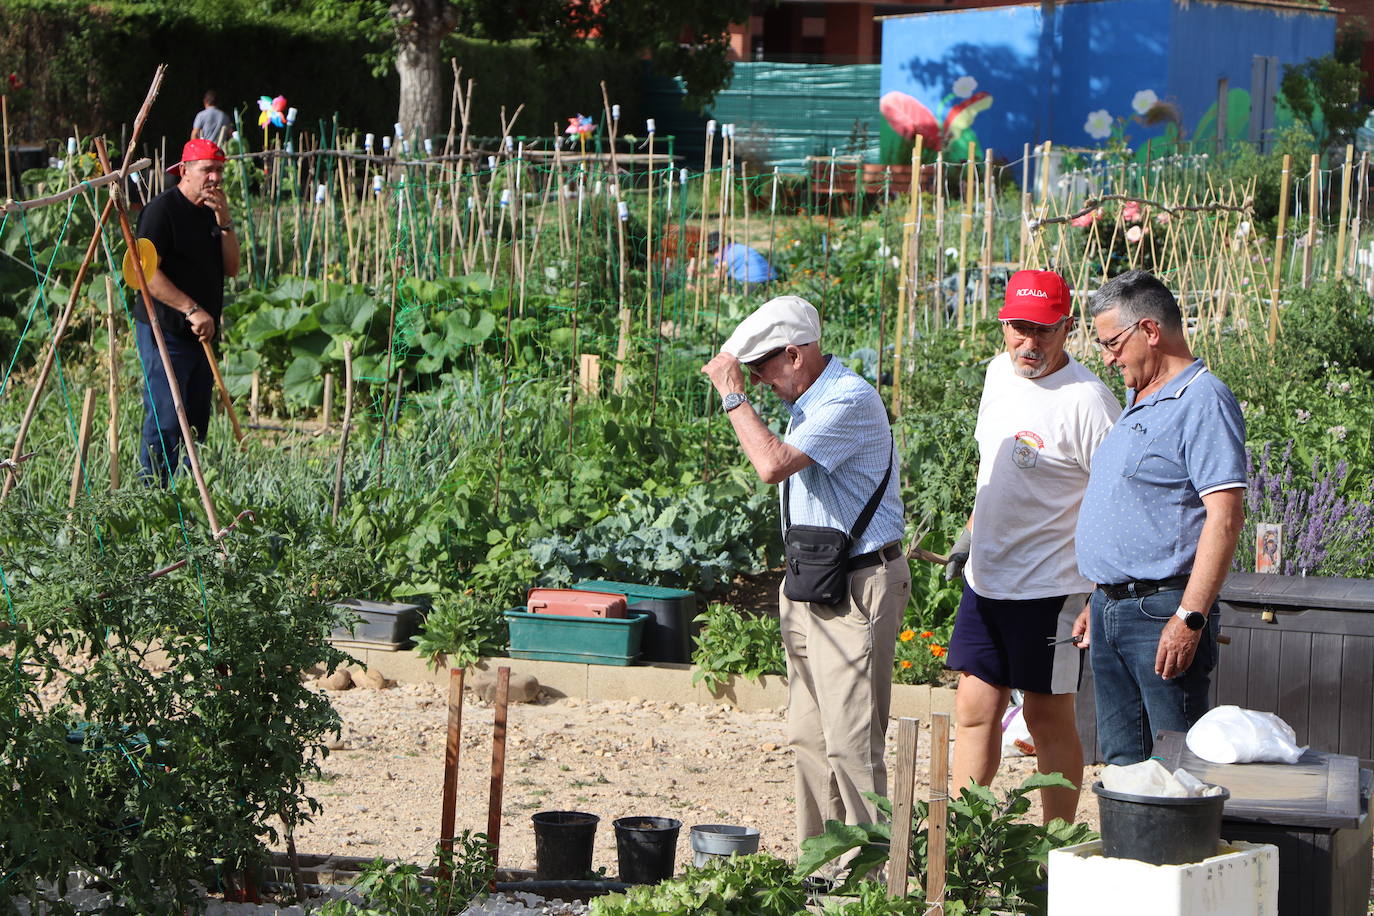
x: 1143, y: 101
x: 965, y: 86
x: 1099, y: 124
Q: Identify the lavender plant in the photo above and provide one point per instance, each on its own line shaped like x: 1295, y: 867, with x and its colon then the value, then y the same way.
x: 1327, y: 530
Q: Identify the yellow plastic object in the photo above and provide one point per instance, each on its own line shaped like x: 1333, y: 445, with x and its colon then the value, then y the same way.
x: 147, y: 254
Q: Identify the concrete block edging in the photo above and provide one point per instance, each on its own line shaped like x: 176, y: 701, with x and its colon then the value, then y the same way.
x: 660, y: 682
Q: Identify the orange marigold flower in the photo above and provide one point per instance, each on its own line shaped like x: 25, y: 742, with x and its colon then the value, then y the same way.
x: 905, y: 664
x: 907, y: 635
x: 937, y: 651
x: 926, y: 634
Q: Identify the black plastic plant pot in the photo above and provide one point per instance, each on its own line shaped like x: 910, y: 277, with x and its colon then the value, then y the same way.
x: 563, y: 844
x: 646, y: 848
x: 1160, y: 831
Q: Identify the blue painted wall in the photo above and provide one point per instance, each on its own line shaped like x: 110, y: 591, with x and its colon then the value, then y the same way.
x: 1086, y: 77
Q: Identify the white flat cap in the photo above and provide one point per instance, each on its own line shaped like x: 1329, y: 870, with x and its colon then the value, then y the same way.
x: 780, y: 322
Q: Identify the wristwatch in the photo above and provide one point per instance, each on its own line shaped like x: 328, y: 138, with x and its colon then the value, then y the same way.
x: 228, y: 228
x: 733, y: 400
x: 1191, y: 619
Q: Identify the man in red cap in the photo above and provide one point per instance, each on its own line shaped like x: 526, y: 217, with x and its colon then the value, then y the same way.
x: 1041, y: 418
x: 190, y: 226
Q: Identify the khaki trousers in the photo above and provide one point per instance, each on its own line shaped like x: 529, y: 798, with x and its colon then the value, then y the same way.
x: 839, y: 687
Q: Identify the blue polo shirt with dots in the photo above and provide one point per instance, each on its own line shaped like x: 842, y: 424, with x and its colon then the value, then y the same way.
x: 1142, y: 513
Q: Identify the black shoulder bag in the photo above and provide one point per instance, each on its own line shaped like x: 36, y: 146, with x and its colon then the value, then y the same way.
x: 817, y: 556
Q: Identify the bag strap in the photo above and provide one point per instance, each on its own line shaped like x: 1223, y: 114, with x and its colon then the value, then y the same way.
x: 866, y: 516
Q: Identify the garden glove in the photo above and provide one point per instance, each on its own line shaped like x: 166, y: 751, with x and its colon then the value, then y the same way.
x: 958, y: 555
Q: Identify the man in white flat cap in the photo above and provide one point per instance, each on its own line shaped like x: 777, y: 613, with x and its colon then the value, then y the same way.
x: 838, y: 466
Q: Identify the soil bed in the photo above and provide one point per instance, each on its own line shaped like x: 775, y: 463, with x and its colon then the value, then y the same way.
x: 622, y: 758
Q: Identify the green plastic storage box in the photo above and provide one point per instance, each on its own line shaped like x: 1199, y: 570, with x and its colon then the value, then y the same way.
x: 668, y: 634
x: 588, y: 640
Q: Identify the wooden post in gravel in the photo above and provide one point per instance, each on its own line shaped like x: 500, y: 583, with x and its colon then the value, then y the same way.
x: 451, y: 747
x: 939, y: 812
x: 902, y: 791
x: 498, y: 762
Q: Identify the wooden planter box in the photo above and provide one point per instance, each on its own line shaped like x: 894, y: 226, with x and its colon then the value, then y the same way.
x: 1302, y: 648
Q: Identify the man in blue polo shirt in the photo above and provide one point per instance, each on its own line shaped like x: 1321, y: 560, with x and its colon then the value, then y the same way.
x: 1159, y: 522
x: 839, y: 463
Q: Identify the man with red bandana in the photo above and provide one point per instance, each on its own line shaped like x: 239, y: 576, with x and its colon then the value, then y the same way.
x: 190, y: 226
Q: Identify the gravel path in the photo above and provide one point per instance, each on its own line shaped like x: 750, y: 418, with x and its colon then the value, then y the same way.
x: 700, y: 764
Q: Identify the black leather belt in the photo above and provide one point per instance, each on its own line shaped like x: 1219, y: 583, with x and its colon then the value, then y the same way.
x: 1140, y: 588
x: 874, y: 557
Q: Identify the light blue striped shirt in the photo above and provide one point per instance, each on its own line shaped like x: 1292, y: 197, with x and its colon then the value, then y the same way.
x: 841, y: 424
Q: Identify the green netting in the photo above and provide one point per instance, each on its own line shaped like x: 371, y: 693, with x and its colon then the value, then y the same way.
x: 783, y: 112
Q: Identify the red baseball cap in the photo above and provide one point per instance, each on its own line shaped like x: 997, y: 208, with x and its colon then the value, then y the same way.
x: 195, y: 150
x: 1038, y: 296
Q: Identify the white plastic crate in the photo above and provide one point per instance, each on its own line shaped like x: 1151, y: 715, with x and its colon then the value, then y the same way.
x: 1241, y: 880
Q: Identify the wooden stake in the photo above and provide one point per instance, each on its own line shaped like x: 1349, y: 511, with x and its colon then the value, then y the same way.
x: 1272, y: 335
x: 1345, y: 208
x: 903, y: 790
x: 254, y: 396
x: 83, y: 442
x: 968, y: 189
x: 989, y: 205
x: 939, y: 811
x: 327, y: 412
x: 347, y: 427
x: 223, y: 390
x: 498, y: 761
x: 1313, y: 196
x: 589, y: 375
x: 904, y: 277
x: 113, y: 358
x: 452, y: 746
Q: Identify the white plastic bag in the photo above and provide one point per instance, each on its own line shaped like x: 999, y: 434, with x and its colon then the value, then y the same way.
x: 1016, y: 736
x: 1229, y: 734
x: 1149, y: 778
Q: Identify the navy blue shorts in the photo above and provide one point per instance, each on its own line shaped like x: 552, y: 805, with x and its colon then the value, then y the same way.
x: 1006, y: 643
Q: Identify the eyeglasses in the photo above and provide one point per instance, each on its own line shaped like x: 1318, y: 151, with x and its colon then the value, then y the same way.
x: 1117, y: 341
x: 757, y: 365
x: 1040, y: 331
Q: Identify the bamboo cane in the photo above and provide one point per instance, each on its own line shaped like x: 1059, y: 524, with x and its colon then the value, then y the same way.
x: 1272, y: 335
x: 112, y: 357
x: 83, y: 442
x: 50, y: 354
x: 343, y: 440
x: 1346, y: 168
x: 188, y: 436
x: 989, y: 205
x: 903, y: 278
x: 1359, y: 211
x: 967, y: 187
x: 1313, y: 195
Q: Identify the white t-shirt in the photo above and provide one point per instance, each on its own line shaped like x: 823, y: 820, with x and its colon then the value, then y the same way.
x: 1036, y: 439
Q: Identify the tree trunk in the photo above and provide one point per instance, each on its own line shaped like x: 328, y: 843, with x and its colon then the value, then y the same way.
x: 420, y: 26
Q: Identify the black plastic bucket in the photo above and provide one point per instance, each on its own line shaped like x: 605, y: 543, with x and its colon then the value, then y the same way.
x: 1160, y: 831
x: 563, y: 844
x: 646, y: 848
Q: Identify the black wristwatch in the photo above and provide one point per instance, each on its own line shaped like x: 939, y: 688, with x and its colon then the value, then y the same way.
x: 229, y: 228
x: 1191, y: 619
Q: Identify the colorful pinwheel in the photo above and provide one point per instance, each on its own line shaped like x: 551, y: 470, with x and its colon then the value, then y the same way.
x: 271, y: 111
x: 580, y: 127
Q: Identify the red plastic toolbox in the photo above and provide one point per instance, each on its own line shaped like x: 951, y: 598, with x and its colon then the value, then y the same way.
x: 570, y: 602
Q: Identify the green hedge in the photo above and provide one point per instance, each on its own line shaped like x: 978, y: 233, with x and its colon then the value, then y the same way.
x: 88, y: 66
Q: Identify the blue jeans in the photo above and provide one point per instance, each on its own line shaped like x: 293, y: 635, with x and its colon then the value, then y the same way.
x: 162, y: 448
x: 1132, y: 701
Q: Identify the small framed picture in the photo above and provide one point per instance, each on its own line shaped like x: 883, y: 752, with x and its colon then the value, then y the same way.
x: 1268, y: 548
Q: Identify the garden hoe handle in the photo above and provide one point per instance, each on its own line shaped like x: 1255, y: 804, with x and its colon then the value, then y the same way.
x: 223, y: 391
